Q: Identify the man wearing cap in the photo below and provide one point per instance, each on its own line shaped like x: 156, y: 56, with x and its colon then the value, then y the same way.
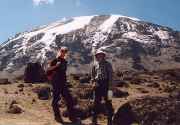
x: 101, y: 76
x: 56, y: 73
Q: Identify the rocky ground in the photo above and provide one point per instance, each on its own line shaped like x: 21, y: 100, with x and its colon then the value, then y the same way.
x: 146, y: 98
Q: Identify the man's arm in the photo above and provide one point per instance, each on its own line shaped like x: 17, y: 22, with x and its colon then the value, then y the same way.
x: 52, y: 68
x: 93, y: 75
x: 53, y: 65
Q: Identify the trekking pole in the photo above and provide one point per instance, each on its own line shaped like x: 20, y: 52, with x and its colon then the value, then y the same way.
x: 92, y: 97
x: 94, y: 51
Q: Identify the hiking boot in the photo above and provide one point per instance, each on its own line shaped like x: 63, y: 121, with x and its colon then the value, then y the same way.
x: 109, y: 121
x: 94, y: 121
x: 58, y: 119
x: 73, y: 119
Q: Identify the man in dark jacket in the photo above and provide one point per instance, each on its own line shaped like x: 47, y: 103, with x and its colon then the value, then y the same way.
x: 101, y: 74
x: 57, y: 75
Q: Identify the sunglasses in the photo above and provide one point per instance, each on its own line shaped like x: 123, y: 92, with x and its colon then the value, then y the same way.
x: 64, y: 51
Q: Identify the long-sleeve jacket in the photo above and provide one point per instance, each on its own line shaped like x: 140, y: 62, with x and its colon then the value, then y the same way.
x: 102, y: 71
x: 58, y: 66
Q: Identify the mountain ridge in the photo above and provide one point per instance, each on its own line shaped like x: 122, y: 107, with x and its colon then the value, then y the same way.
x: 128, y: 41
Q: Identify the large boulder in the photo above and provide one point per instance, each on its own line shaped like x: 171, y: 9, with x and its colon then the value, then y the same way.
x: 34, y: 73
x: 43, y: 92
x: 149, y: 110
x: 124, y: 115
x: 4, y: 81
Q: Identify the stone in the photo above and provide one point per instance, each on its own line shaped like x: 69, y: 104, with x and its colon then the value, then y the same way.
x: 85, y: 79
x: 33, y: 101
x: 21, y: 90
x: 120, y: 83
x: 118, y: 93
x: 21, y: 85
x: 5, y: 91
x: 149, y: 110
x: 44, y: 93
x: 34, y: 73
x: 153, y: 85
x: 4, y: 81
x: 15, y: 108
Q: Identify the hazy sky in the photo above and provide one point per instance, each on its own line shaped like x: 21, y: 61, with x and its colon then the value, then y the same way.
x: 22, y: 15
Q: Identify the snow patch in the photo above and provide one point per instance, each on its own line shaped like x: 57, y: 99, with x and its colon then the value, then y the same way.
x: 60, y: 28
x: 104, y: 47
x: 108, y: 24
x: 55, y: 29
x: 16, y: 46
x: 138, y: 37
x: 132, y: 18
x: 104, y: 30
x: 3, y: 50
x: 98, y: 38
x: 162, y: 34
x: 10, y: 64
x: 77, y: 23
x: 11, y: 40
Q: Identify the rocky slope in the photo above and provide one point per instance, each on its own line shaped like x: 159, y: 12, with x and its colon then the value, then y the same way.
x: 131, y: 44
x: 146, y: 98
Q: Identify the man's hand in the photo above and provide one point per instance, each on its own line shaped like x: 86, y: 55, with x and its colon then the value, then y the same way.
x: 58, y: 63
x: 94, y: 85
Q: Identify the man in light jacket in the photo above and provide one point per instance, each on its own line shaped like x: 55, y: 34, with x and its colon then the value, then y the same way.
x: 101, y: 76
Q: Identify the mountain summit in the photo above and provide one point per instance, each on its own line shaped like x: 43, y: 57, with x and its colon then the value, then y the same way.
x: 131, y: 44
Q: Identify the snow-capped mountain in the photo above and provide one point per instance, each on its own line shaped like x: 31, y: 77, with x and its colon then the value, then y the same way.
x: 131, y: 44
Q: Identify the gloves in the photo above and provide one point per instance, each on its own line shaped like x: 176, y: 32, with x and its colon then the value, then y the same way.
x: 94, y: 85
x: 110, y: 94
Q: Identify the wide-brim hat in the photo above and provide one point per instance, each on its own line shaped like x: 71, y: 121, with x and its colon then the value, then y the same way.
x: 100, y: 52
x: 64, y: 48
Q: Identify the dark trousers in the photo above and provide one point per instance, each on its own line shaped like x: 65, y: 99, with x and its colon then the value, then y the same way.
x: 101, y: 92
x: 61, y: 89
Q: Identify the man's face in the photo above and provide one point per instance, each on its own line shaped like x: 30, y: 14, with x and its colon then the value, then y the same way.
x: 62, y: 53
x: 100, y: 57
